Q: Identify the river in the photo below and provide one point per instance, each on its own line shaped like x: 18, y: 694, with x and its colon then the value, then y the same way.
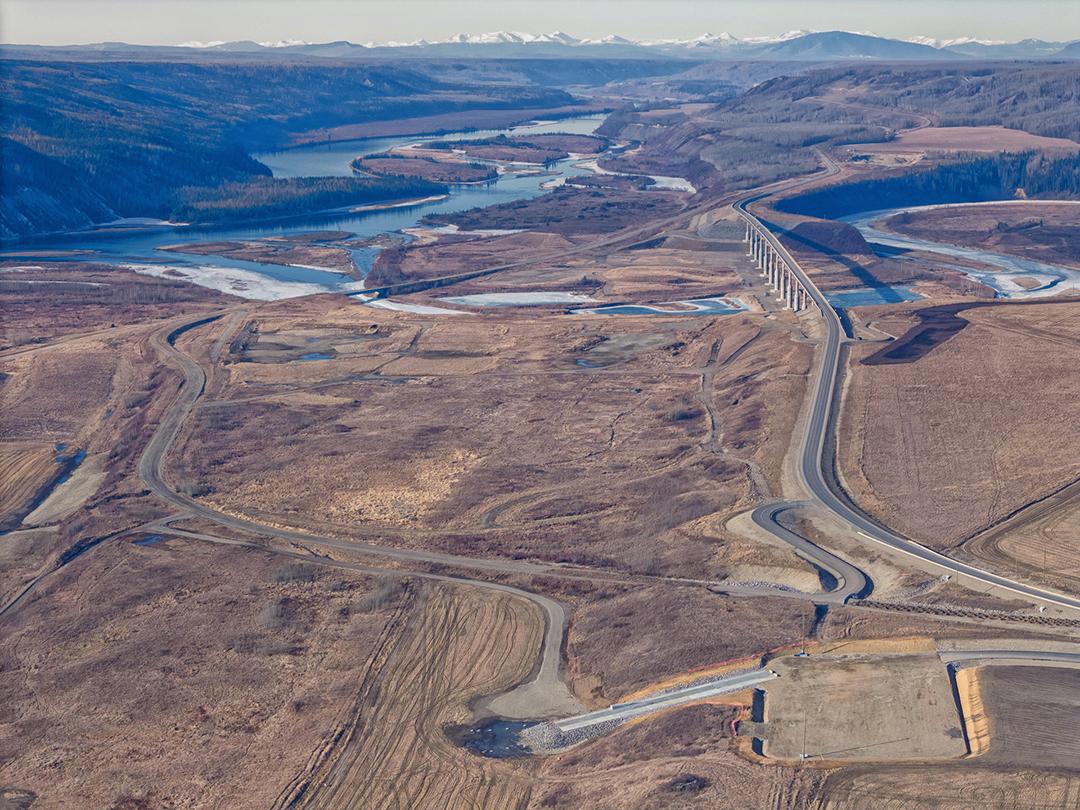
x: 1000, y: 271
x: 138, y: 245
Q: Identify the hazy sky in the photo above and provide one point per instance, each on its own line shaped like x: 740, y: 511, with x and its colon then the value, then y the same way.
x: 175, y: 21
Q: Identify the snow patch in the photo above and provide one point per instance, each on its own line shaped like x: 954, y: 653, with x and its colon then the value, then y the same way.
x: 519, y: 299
x: 233, y: 280
x: 419, y: 309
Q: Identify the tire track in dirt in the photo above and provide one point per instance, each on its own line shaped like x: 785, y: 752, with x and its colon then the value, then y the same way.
x: 456, y: 645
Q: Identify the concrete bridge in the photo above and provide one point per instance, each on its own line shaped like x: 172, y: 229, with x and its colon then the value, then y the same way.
x: 774, y: 267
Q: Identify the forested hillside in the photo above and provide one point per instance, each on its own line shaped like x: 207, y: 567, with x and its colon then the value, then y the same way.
x: 997, y: 177
x: 1041, y: 98
x: 267, y: 198
x: 90, y: 141
x: 771, y: 130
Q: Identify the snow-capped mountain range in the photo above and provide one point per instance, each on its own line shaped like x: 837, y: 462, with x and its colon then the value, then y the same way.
x: 801, y: 45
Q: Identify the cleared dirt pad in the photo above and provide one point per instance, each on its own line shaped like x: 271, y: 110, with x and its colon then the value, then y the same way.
x: 861, y: 708
x: 28, y: 467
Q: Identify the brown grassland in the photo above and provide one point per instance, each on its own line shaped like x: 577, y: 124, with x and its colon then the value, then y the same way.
x: 562, y: 438
x: 956, y: 441
x: 238, y: 666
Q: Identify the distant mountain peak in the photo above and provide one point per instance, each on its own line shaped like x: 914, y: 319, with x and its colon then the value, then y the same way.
x: 285, y: 43
x: 796, y: 45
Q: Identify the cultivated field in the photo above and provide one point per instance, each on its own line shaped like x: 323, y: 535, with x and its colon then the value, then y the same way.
x: 968, y: 139
x: 1034, y: 713
x: 946, y: 787
x: 952, y: 442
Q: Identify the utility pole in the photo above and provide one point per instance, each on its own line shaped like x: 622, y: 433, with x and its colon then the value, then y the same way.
x: 803, y: 755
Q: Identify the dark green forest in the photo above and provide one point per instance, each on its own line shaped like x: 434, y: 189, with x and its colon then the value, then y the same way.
x: 85, y: 142
x: 996, y: 177
x: 269, y: 198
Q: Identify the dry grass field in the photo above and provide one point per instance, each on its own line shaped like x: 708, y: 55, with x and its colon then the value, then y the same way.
x: 981, y: 425
x: 679, y: 759
x: 619, y: 442
x: 1041, y: 540
x: 45, y: 301
x: 621, y: 643
x: 124, y: 685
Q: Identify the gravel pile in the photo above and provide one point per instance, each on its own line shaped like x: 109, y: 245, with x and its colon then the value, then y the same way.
x: 547, y: 738
x: 758, y: 585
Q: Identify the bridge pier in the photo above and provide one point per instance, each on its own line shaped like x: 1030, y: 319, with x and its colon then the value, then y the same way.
x: 779, y: 277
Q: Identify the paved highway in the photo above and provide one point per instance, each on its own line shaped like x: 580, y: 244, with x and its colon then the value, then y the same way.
x: 852, y: 582
x: 676, y: 697
x: 813, y: 457
x: 961, y: 657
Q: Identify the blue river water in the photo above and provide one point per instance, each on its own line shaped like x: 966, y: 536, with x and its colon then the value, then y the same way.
x: 142, y: 243
x: 999, y: 271
x: 869, y: 296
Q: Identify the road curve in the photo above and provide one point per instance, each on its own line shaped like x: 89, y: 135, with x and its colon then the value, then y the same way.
x: 813, y: 458
x: 852, y: 583
x: 545, y: 682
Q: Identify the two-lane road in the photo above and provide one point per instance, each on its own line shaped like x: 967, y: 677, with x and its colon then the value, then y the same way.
x: 666, y: 700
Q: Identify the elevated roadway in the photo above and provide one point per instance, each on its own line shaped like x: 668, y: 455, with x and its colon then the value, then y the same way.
x: 813, y: 457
